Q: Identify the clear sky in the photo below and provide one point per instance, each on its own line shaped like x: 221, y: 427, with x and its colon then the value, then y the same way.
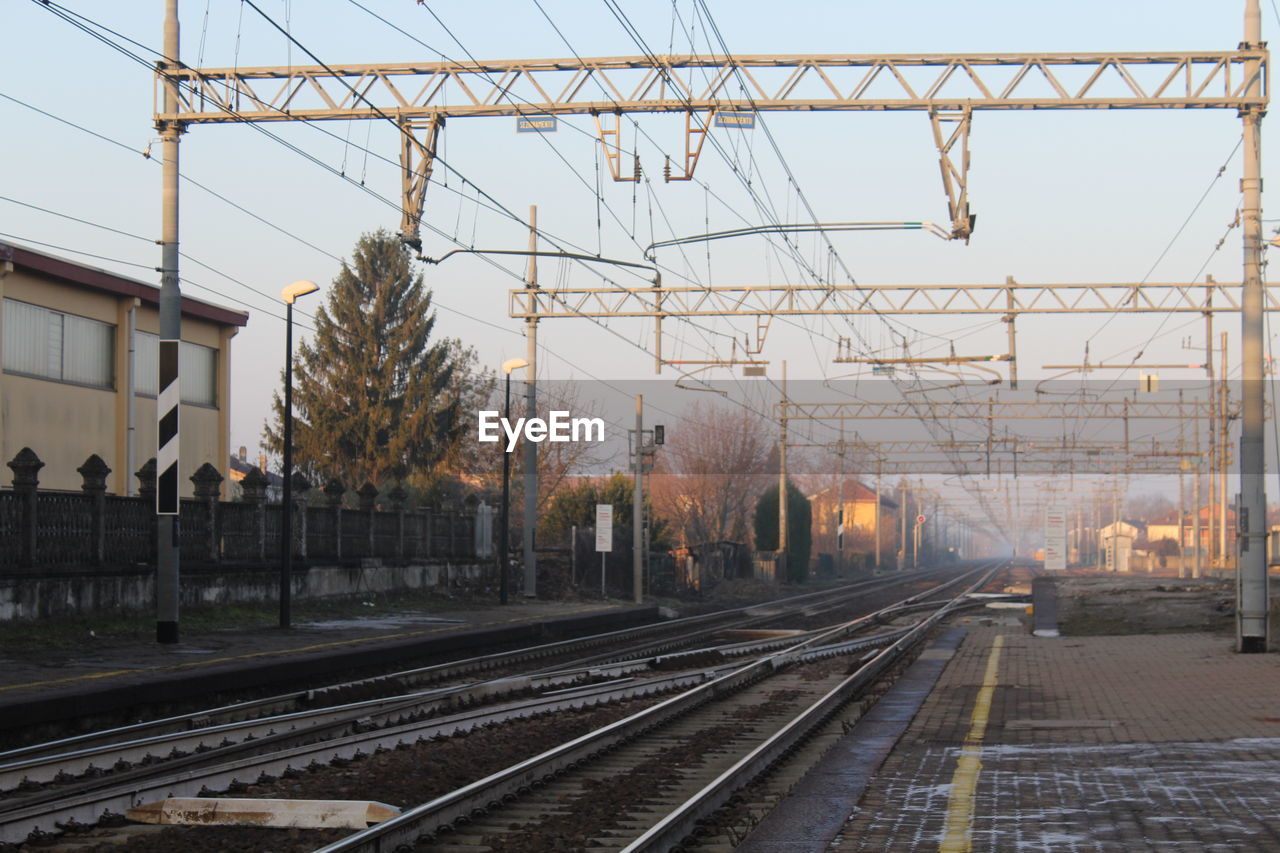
x: 1060, y: 196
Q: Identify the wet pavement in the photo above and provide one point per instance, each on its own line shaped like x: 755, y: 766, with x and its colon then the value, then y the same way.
x: 1097, y: 744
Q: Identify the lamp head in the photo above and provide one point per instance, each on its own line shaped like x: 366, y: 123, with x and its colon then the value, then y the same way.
x: 298, y: 288
x: 513, y: 364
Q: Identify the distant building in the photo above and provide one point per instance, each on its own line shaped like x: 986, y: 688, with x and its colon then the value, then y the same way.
x: 861, y: 509
x: 1166, y: 527
x: 1116, y: 543
x: 65, y: 354
x: 239, y: 466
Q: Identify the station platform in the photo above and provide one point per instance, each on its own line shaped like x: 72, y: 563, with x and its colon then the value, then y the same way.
x: 996, y: 740
x: 46, y: 686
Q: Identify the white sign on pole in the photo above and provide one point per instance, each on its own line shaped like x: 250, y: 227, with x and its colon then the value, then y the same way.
x: 1055, y: 538
x: 604, y: 527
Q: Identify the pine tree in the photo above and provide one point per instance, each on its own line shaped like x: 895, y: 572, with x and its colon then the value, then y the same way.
x: 374, y: 398
x: 799, y: 529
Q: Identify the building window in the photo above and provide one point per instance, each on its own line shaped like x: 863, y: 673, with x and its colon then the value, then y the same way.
x: 63, y: 347
x: 197, y: 370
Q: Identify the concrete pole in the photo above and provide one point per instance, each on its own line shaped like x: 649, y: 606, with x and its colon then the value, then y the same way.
x: 1223, y: 553
x: 1251, y: 522
x: 1182, y: 493
x: 167, y: 555
x: 1213, y: 426
x: 876, y: 516
x: 637, y: 508
x: 840, y: 519
x: 782, y: 480
x: 531, y: 409
x: 1115, y: 522
x: 1195, y: 504
x: 902, y: 519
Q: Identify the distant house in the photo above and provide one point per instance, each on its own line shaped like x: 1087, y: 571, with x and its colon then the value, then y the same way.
x: 240, y: 465
x: 1166, y: 527
x: 861, y: 510
x: 68, y: 333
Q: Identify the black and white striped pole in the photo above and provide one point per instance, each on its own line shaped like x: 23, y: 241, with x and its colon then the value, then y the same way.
x: 288, y: 294
x: 168, y: 401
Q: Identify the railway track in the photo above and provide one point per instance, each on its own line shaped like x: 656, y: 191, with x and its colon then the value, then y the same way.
x: 646, y: 782
x: 646, y: 640
x: 79, y: 779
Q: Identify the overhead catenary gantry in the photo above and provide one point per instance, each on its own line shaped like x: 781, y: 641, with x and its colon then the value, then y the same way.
x: 981, y: 410
x: 1007, y: 457
x: 421, y: 96
x: 881, y: 299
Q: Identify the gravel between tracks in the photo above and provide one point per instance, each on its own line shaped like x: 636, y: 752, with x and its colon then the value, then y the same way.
x: 400, y: 777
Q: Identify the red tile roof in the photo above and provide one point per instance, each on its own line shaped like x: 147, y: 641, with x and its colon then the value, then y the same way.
x: 98, y: 279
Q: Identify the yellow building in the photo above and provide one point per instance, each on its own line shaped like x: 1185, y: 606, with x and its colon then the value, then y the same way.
x: 861, y: 509
x: 66, y: 358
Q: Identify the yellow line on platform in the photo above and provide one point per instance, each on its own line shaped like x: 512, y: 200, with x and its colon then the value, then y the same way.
x: 210, y: 661
x: 958, y: 835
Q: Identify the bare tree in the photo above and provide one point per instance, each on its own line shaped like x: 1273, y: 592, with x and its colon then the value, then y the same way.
x: 709, y: 474
x: 1149, y: 507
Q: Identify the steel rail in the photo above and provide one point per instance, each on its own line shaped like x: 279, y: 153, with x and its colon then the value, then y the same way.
x: 278, y: 731
x: 45, y: 810
x: 429, y: 818
x: 307, y: 699
x: 682, y: 822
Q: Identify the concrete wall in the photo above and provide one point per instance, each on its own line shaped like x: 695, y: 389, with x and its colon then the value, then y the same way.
x: 89, y: 594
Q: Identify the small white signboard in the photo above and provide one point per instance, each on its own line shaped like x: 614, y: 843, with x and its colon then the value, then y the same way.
x: 1055, y: 538
x: 604, y: 527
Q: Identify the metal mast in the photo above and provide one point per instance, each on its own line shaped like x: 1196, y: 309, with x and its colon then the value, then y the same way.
x: 167, y: 556
x: 1253, y: 606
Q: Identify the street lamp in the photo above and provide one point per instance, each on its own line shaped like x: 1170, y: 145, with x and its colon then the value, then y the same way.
x: 289, y: 294
x: 507, y: 366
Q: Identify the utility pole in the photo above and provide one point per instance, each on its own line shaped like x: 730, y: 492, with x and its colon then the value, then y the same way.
x: 637, y: 508
x: 902, y: 519
x: 1182, y: 493
x: 1251, y: 519
x: 876, y: 515
x: 167, y: 554
x: 531, y: 409
x: 1223, y: 393
x: 840, y: 504
x: 1195, y: 503
x: 1213, y: 430
x: 782, y: 481
x: 1114, y: 550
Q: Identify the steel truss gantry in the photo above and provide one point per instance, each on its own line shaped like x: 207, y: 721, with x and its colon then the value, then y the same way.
x: 887, y: 299
x: 421, y: 96
x: 1008, y: 456
x: 982, y: 410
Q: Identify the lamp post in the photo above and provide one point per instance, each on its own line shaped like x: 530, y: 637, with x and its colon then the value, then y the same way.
x: 289, y: 294
x: 507, y: 366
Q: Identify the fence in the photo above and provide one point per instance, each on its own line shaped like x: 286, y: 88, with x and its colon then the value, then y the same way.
x: 51, y: 530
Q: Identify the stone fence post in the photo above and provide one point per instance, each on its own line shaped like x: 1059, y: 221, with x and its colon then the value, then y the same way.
x: 254, y: 490
x: 147, y: 494
x: 333, y: 492
x: 26, y: 468
x: 368, y: 494
x: 301, y: 485
x: 397, y: 496
x: 208, y: 486
x: 94, y: 473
